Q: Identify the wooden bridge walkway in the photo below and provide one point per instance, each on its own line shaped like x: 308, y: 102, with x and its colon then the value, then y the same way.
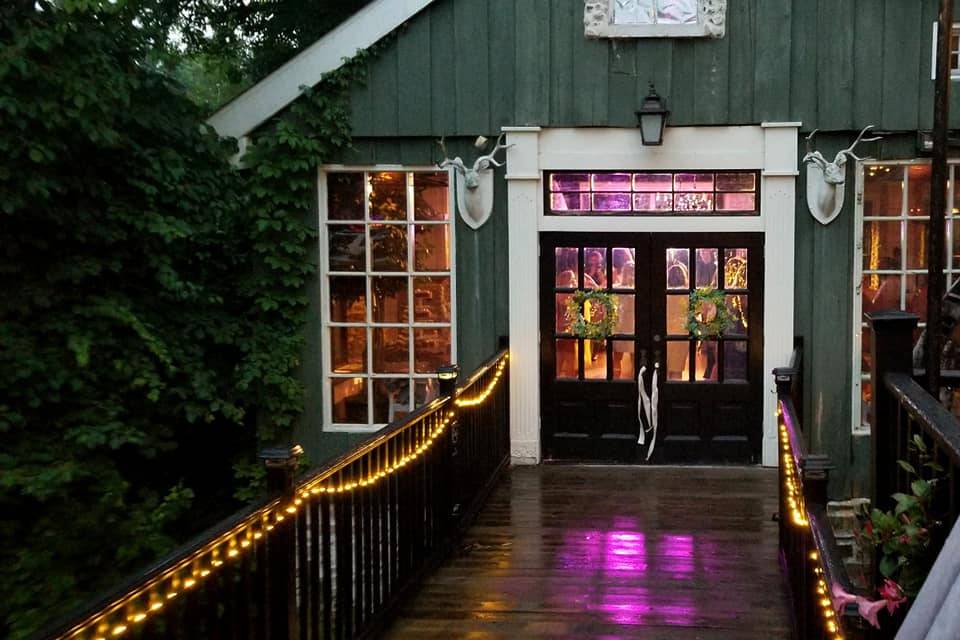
x: 613, y: 552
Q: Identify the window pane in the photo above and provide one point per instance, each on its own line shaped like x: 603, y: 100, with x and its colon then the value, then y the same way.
x: 706, y: 369
x: 348, y: 299
x: 391, y: 399
x: 390, y: 350
x: 390, y: 299
x: 425, y: 390
x: 677, y: 11
x: 677, y: 309
x: 431, y: 299
x: 693, y: 182
x: 866, y: 398
x: 881, y: 245
x: 625, y: 314
x: 736, y: 182
x: 348, y: 352
x: 595, y: 268
x: 737, y: 306
x: 345, y: 196
x: 388, y: 196
x: 570, y: 182
x: 918, y: 190
x: 570, y: 202
x: 956, y: 244
x: 678, y: 269
x: 707, y: 267
x: 594, y: 359
x: 693, y: 202
x: 916, y: 295
x: 431, y: 349
x: 653, y: 182
x: 653, y: 202
x: 567, y: 365
x: 882, y: 190
x: 611, y: 181
x: 736, y: 202
x: 611, y: 202
x: 432, y: 247
x: 388, y: 243
x: 561, y: 324
x: 349, y: 400
x: 623, y: 367
x: 624, y: 275
x: 880, y: 293
x: 678, y: 356
x: 566, y: 269
x: 347, y: 251
x: 734, y: 361
x: 735, y: 268
x: 866, y: 359
x: 916, y: 245
x: 431, y: 197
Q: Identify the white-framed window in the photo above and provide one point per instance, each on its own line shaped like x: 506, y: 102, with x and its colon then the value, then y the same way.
x: 388, y: 291
x: 892, y: 216
x: 954, y: 52
x: 654, y: 18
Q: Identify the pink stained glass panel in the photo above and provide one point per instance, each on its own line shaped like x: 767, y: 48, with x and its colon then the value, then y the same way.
x: 610, y: 181
x: 662, y: 202
x: 693, y: 182
x: 611, y: 202
x: 736, y: 182
x: 736, y: 202
x: 568, y: 201
x: 695, y: 202
x: 570, y: 182
x: 653, y: 182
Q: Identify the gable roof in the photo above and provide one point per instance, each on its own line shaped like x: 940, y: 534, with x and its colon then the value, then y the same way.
x: 261, y: 101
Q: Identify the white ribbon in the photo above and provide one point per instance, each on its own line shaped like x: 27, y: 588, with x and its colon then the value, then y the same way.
x: 643, y: 405
x: 654, y: 403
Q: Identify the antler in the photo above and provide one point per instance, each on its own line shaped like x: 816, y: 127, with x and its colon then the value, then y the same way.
x: 447, y: 161
x: 814, y: 156
x: 809, y: 141
x: 484, y: 162
x: 849, y: 150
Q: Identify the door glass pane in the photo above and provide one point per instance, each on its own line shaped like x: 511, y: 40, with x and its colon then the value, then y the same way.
x: 431, y: 299
x: 431, y: 349
x: 623, y: 362
x: 881, y: 245
x: 678, y: 356
x: 880, y: 292
x: 388, y: 244
x: 348, y: 353
x: 595, y: 268
x: 678, y: 306
x: 390, y: 299
x: 595, y: 359
x: 566, y: 268
x: 431, y: 198
x: 388, y: 196
x: 561, y: 324
x: 345, y: 196
x: 916, y: 245
x: 347, y: 251
x: 915, y: 300
x: 883, y: 191
x: 567, y: 353
x: 706, y: 369
x: 624, y: 268
x: 678, y: 269
x: 391, y: 399
x: 625, y: 314
x: 735, y: 268
x: 734, y: 360
x: 918, y: 189
x: 390, y: 350
x: 431, y: 247
x: 737, y: 305
x: 707, y: 268
x: 349, y: 400
x: 348, y: 299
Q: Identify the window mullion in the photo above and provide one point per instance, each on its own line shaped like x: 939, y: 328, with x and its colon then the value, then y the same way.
x: 369, y: 288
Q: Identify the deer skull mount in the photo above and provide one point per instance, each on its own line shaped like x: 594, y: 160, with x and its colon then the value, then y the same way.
x: 474, y: 184
x: 826, y: 180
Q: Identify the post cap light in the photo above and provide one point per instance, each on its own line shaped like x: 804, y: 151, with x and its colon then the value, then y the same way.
x: 652, y: 117
x: 448, y: 372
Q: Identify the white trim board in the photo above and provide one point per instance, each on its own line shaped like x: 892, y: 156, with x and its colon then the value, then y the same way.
x: 770, y: 148
x: 264, y: 99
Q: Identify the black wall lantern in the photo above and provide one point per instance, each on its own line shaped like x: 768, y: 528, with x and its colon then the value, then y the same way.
x: 652, y: 117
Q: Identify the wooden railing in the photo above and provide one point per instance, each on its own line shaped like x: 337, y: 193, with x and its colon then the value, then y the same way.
x: 809, y: 554
x: 332, y: 552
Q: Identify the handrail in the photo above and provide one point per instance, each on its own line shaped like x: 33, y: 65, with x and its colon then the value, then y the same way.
x: 923, y: 409
x: 412, y: 453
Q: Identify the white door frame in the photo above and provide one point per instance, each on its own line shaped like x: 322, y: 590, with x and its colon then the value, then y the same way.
x: 770, y: 147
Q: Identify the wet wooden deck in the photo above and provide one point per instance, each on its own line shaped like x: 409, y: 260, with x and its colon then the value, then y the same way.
x: 613, y: 552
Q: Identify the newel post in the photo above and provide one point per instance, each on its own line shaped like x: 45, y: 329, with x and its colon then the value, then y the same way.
x: 281, y: 464
x: 448, y: 377
x: 891, y: 345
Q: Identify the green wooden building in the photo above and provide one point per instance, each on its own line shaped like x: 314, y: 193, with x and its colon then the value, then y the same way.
x: 579, y: 202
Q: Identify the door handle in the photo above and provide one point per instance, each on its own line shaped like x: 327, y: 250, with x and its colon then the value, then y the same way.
x: 643, y: 358
x: 656, y: 357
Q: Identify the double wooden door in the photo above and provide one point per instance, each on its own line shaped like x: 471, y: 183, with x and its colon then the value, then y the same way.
x: 707, y: 392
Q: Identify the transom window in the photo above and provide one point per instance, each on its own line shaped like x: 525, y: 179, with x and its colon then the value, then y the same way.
x: 388, y: 307
x: 654, y: 18
x: 895, y: 213
x: 653, y: 193
x: 655, y: 12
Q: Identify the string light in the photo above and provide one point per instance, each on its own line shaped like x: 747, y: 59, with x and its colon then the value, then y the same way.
x: 483, y: 395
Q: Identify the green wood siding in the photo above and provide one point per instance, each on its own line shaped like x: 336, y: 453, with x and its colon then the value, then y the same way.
x: 464, y: 67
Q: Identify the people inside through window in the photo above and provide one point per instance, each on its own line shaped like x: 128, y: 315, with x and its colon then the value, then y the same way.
x: 678, y: 275
x: 594, y: 269
x: 621, y: 257
x: 706, y: 267
x: 566, y: 269
x: 707, y: 354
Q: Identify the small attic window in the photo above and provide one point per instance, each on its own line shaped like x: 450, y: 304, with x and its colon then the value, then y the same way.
x: 654, y: 18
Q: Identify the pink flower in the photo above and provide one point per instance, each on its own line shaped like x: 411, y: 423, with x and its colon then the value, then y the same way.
x: 892, y: 594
